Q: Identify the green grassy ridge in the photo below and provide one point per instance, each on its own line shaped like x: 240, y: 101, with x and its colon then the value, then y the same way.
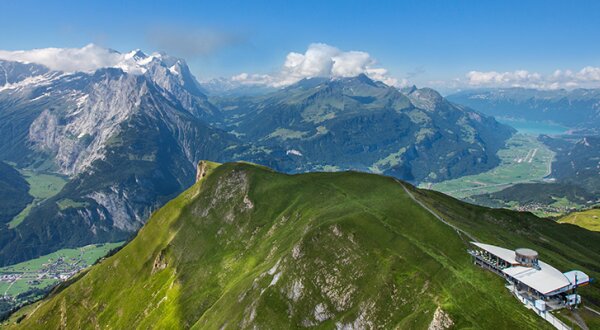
x: 356, y: 243
x: 588, y: 219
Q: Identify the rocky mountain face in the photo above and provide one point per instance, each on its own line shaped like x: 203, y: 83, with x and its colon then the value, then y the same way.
x: 14, y: 74
x: 246, y: 247
x: 127, y: 142
x: 578, y: 108
x: 577, y: 163
x: 71, y: 116
x: 357, y: 123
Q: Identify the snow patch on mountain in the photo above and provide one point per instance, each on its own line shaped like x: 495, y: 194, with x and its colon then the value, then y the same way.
x: 35, y: 80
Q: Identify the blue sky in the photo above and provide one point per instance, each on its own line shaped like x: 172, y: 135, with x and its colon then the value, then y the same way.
x: 426, y: 42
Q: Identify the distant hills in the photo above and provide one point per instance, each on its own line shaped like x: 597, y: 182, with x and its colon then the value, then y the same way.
x: 127, y: 137
x: 357, y: 123
x: 247, y: 247
x: 577, y: 109
x: 577, y: 161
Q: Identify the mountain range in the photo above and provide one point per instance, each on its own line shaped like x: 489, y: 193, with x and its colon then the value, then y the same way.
x: 126, y: 138
x: 357, y: 123
x: 576, y: 109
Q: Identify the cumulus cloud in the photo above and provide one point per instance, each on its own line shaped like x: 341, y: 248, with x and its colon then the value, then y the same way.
x: 87, y: 59
x: 587, y: 77
x: 493, y: 77
x: 322, y: 60
x: 253, y: 79
x: 587, y: 74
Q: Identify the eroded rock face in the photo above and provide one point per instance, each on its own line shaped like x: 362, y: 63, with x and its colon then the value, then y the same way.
x: 231, y: 190
x: 128, y: 141
x: 117, y: 203
x: 440, y: 321
x: 14, y: 73
x: 160, y: 262
x: 201, y: 170
x: 74, y: 115
x: 78, y: 133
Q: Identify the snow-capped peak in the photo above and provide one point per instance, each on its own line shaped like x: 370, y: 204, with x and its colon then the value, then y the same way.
x: 93, y: 57
x: 136, y: 55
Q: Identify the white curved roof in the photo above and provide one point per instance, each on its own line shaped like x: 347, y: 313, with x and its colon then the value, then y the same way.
x: 582, y: 277
x: 500, y: 252
x: 545, y: 280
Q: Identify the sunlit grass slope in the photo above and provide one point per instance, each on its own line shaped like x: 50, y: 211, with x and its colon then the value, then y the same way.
x: 589, y: 219
x: 248, y: 247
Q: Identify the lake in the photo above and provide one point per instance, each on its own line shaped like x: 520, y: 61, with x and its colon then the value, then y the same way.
x: 534, y: 127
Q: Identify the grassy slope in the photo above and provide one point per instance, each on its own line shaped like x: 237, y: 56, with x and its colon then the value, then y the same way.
x: 589, y: 219
x: 355, y: 243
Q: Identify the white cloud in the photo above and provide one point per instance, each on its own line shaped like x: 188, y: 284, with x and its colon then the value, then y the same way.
x: 499, y: 78
x: 87, y: 59
x: 253, y: 79
x: 587, y: 74
x: 322, y: 60
x: 587, y: 77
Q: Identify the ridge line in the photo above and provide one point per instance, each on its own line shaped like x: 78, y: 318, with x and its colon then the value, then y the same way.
x: 437, y: 216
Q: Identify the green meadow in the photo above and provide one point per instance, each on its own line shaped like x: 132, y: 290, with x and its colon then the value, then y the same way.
x: 41, y: 269
x: 589, y: 219
x: 41, y: 187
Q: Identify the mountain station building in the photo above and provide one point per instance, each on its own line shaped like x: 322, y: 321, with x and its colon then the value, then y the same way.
x: 535, y: 283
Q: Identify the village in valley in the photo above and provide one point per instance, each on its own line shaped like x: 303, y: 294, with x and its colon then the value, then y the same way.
x: 28, y: 281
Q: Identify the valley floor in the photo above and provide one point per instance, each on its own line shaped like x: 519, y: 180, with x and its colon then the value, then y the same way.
x: 41, y: 187
x: 29, y: 280
x: 524, y: 159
